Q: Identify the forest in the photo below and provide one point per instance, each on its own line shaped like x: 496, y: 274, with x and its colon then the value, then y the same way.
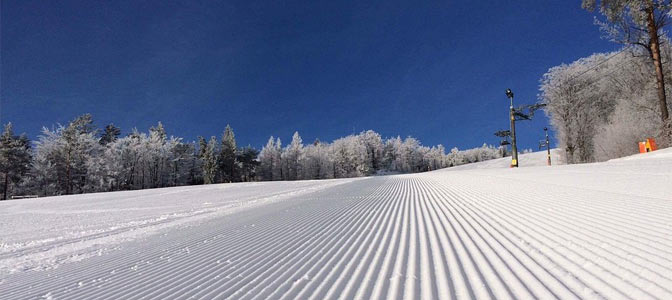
x: 80, y: 158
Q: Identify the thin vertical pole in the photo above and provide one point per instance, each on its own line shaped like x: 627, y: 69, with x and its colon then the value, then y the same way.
x: 548, y: 147
x: 514, y: 149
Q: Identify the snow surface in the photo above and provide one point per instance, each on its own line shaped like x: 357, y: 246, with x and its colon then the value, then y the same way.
x: 601, y: 230
x: 533, y: 159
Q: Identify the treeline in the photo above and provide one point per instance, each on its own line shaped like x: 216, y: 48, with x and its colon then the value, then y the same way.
x: 602, y: 105
x: 79, y: 158
x: 358, y: 155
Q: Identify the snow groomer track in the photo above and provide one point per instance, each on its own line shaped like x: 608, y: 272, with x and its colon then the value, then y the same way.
x: 582, y: 231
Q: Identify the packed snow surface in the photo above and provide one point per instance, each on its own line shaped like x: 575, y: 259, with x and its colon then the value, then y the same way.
x: 594, y: 231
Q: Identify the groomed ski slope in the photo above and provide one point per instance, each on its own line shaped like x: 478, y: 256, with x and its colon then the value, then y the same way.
x: 588, y: 231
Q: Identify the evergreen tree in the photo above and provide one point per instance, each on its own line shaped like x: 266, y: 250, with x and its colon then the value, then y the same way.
x: 14, y: 159
x: 78, y: 146
x: 202, y: 146
x: 110, y: 134
x: 227, y: 156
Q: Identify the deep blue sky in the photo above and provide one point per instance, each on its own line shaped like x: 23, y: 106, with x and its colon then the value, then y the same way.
x: 435, y: 70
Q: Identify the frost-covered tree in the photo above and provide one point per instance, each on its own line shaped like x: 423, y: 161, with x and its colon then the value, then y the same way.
x: 64, y: 156
x: 14, y: 159
x: 110, y: 134
x: 267, y: 160
x: 182, y: 164
x: 374, y: 150
x: 278, y: 166
x: 342, y: 162
x: 122, y: 161
x: 640, y: 22
x: 591, y: 101
x: 579, y: 99
x: 411, y: 156
x: 142, y: 160
x: 435, y: 158
x: 392, y: 155
x: 157, y: 152
x: 70, y: 159
x: 202, y: 146
x: 455, y: 157
x: 209, y: 159
x: 358, y: 155
x: 293, y: 156
x: 317, y: 163
x: 227, y: 156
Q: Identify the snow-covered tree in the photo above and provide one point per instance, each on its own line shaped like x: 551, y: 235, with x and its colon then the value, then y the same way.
x: 578, y: 100
x: 293, y: 156
x: 317, y: 163
x: 209, y: 159
x: 122, y: 161
x: 374, y: 150
x: 267, y: 160
x: 66, y: 151
x: 278, y: 166
x: 110, y: 134
x: 411, y: 156
x: 182, y: 164
x: 591, y: 101
x: 70, y: 159
x: 14, y: 159
x: 227, y: 156
x: 435, y: 158
x: 641, y: 23
x: 392, y: 155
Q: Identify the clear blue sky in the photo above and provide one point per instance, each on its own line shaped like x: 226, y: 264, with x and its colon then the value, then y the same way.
x: 435, y: 70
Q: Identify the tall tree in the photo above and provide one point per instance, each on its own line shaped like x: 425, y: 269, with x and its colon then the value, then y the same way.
x: 640, y: 22
x: 110, y: 134
x: 277, y: 170
x: 293, y: 154
x: 374, y: 150
x: 267, y: 160
x: 80, y: 145
x: 247, y: 157
x: 202, y: 146
x: 316, y: 162
x: 227, y: 156
x: 63, y: 156
x: 14, y: 158
x: 210, y: 161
